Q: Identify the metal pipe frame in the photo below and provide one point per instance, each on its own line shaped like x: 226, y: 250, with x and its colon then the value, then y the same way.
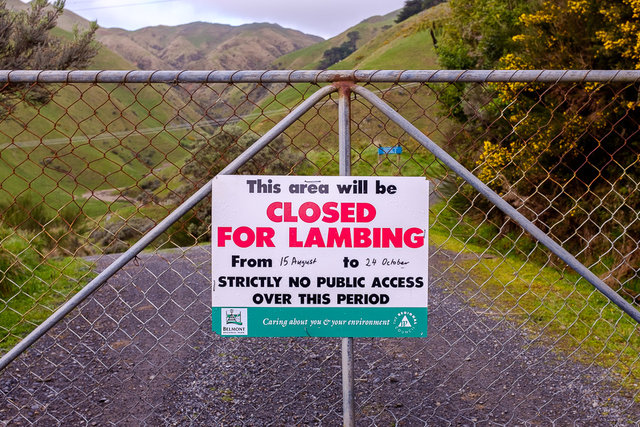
x: 494, y: 198
x: 161, y: 227
x: 344, y: 150
x: 319, y: 76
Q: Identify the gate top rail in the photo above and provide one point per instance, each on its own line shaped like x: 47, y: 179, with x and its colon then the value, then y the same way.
x: 317, y: 76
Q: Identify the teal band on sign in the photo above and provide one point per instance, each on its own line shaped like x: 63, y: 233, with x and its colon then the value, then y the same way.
x: 320, y: 321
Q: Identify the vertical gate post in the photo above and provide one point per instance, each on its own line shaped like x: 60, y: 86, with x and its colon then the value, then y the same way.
x: 344, y: 151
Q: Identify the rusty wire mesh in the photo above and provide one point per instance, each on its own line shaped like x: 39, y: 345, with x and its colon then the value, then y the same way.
x: 515, y: 337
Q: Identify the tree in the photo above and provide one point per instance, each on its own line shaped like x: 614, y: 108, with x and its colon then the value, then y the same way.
x: 216, y: 153
x: 26, y: 42
x: 413, y: 7
x: 410, y: 8
x: 336, y: 54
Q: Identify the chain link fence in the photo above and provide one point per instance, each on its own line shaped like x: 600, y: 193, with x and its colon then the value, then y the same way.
x: 92, y: 161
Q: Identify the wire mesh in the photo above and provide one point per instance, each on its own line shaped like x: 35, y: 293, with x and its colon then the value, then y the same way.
x: 515, y: 337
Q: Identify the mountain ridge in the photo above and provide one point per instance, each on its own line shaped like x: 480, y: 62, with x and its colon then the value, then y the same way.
x: 195, y: 45
x: 203, y: 45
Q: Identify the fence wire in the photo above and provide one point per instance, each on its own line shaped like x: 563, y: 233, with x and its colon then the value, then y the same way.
x: 87, y: 167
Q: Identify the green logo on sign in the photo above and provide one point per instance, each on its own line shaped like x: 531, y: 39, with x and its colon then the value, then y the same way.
x: 234, y: 318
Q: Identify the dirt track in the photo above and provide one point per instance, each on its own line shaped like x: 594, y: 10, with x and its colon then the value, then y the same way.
x: 141, y: 351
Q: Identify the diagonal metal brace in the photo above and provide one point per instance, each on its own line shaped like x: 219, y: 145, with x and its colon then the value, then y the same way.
x: 163, y: 226
x: 494, y: 198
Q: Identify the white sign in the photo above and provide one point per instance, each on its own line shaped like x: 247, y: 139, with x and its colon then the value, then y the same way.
x: 319, y: 256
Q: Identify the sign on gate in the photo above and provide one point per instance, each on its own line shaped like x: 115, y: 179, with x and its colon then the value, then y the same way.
x: 319, y: 256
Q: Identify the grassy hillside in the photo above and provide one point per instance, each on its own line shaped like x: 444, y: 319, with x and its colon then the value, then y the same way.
x: 105, y: 59
x: 71, y: 146
x: 97, y: 137
x: 407, y: 45
x: 309, y: 57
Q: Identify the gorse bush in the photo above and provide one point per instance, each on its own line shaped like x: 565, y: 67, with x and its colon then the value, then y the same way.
x: 25, y: 213
x: 564, y: 155
x: 18, y: 258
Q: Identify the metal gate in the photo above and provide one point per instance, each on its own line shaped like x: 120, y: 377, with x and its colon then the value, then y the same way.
x: 95, y: 162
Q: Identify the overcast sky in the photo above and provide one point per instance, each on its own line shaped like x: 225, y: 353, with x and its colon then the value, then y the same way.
x: 324, y: 18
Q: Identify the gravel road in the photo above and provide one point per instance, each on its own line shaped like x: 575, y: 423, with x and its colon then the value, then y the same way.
x: 140, y: 351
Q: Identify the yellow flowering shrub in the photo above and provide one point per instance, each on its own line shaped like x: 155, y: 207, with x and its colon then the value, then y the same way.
x: 561, y: 153
x: 622, y: 35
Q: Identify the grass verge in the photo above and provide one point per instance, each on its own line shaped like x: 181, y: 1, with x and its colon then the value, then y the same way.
x: 554, y: 305
x: 32, y: 287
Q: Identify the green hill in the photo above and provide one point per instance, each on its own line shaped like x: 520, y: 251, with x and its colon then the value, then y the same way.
x: 308, y: 58
x: 89, y: 137
x: 407, y: 45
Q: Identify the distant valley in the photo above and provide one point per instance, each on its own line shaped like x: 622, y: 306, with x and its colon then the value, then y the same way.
x: 137, y: 138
